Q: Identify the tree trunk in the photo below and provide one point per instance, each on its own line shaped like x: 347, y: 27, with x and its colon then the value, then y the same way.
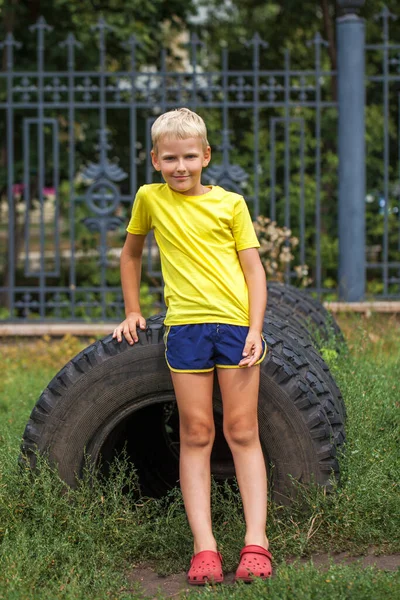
x: 8, y: 24
x: 9, y: 20
x: 329, y: 188
x: 329, y: 29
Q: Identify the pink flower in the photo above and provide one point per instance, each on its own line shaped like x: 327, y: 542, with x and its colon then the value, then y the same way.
x: 49, y: 191
x: 17, y: 189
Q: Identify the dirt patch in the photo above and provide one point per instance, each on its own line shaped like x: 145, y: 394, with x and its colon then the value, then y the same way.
x: 385, y: 562
x: 172, y: 586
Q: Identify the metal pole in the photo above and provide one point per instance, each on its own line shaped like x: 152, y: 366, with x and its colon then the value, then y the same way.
x: 351, y: 143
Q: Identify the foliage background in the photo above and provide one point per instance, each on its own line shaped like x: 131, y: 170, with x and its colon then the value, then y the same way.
x: 160, y: 24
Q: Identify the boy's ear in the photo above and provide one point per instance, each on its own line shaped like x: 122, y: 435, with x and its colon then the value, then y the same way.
x: 207, y: 156
x: 154, y: 160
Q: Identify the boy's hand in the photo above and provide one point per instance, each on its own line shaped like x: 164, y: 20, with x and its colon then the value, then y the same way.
x: 252, y: 349
x: 128, y: 328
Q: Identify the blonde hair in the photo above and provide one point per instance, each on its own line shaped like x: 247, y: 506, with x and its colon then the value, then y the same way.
x: 180, y: 124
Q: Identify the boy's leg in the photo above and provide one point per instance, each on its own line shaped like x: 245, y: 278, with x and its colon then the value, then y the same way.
x: 194, y: 397
x: 239, y: 389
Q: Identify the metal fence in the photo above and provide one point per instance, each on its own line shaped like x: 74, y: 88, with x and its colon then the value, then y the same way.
x: 78, y: 146
x: 385, y: 79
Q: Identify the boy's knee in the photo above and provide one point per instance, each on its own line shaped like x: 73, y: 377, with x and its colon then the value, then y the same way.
x: 198, y: 434
x: 241, y: 432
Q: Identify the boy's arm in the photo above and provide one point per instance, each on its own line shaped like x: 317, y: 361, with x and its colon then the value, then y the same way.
x: 131, y: 270
x: 257, y: 285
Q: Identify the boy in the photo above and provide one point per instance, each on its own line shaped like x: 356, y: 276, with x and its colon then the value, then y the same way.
x: 215, y: 292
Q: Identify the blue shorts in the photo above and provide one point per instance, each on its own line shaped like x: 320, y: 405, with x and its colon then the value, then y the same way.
x: 202, y: 347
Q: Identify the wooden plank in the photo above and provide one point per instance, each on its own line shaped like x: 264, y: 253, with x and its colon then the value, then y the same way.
x: 364, y: 307
x: 55, y: 329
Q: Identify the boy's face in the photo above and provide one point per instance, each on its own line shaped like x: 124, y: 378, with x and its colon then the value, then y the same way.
x: 181, y: 163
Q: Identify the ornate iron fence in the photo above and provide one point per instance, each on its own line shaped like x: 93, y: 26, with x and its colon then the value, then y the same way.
x: 383, y: 258
x: 69, y: 194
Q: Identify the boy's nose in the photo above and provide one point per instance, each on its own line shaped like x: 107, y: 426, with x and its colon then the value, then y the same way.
x: 181, y: 166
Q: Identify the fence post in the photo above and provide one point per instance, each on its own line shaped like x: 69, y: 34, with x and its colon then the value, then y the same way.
x: 351, y: 144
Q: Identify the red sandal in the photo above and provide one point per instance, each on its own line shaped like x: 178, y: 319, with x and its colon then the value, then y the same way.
x: 205, y: 567
x: 255, y: 562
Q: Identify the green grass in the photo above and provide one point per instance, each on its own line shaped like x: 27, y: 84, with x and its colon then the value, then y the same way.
x: 340, y: 582
x: 78, y: 544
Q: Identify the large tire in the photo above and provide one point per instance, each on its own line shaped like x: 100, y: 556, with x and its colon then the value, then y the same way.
x: 113, y: 395
x: 286, y: 340
x: 286, y: 314
x: 303, y: 307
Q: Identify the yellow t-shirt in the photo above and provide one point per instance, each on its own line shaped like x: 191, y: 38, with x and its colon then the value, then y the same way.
x: 199, y: 238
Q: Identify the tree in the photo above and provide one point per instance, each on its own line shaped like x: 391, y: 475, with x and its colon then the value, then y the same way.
x: 151, y: 22
x: 288, y: 24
